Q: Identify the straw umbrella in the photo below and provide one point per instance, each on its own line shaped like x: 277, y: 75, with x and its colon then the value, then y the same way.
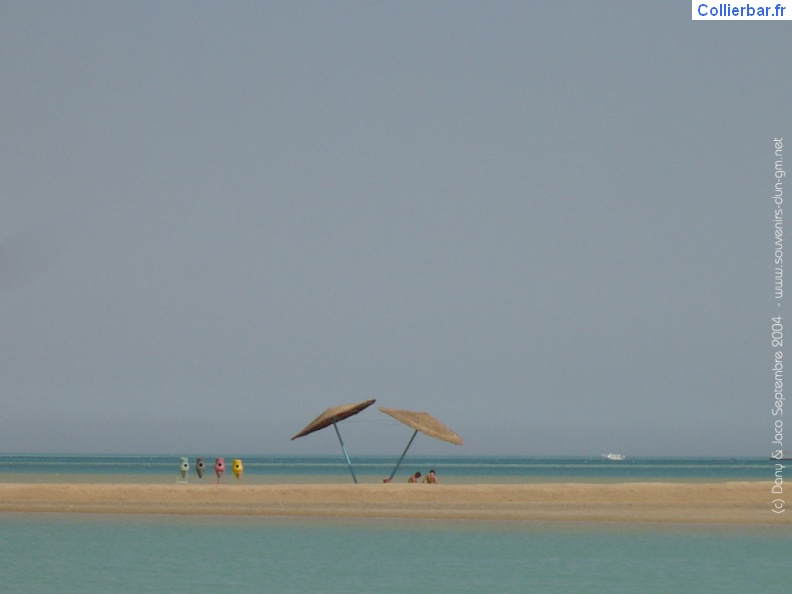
x: 423, y: 422
x: 331, y: 417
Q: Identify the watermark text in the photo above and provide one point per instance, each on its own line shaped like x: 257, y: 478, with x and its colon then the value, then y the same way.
x: 778, y: 505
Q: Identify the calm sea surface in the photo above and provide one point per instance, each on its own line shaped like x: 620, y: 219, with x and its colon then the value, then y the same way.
x: 164, y: 468
x: 99, y: 554
x: 49, y: 553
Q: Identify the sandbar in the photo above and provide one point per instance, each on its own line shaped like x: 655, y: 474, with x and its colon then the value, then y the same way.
x: 721, y: 502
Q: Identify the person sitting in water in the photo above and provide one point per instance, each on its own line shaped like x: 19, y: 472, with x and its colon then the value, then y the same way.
x: 414, y: 478
x: 431, y: 478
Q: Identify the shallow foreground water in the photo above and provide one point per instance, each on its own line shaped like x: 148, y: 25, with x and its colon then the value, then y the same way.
x: 52, y: 553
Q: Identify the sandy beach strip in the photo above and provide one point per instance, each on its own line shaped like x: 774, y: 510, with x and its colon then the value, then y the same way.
x: 728, y: 502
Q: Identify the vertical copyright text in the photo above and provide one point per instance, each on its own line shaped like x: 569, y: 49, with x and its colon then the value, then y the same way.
x: 778, y: 505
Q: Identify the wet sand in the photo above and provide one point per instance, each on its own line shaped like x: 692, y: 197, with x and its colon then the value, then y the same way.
x: 726, y: 502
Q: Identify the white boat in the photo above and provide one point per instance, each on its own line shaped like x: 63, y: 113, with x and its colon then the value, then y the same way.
x: 614, y: 456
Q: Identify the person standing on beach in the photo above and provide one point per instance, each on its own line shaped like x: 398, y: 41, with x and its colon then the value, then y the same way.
x: 414, y: 478
x: 431, y: 478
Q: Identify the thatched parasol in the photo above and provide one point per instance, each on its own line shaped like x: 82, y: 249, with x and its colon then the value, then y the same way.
x: 331, y: 417
x: 425, y: 423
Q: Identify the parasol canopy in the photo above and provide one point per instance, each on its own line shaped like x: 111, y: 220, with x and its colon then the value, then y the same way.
x: 333, y: 415
x: 425, y: 423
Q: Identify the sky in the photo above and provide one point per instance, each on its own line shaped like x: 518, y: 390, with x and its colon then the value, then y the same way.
x: 547, y: 224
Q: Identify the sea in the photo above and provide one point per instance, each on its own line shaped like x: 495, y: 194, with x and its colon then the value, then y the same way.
x: 456, y: 469
x: 86, y: 553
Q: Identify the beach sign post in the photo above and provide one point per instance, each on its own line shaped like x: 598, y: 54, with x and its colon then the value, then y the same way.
x: 219, y: 468
x: 237, y: 468
x: 184, y: 468
x: 423, y: 422
x: 332, y: 416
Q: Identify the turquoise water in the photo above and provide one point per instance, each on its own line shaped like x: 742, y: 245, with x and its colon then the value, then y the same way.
x: 48, y: 553
x: 91, y: 554
x: 374, y: 468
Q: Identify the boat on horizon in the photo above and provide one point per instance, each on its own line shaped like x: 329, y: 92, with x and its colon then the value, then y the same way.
x: 612, y: 456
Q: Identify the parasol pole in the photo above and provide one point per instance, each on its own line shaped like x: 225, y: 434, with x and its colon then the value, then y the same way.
x: 409, y: 443
x: 343, y: 449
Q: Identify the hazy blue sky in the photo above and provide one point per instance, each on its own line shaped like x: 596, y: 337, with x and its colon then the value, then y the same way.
x: 548, y: 224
